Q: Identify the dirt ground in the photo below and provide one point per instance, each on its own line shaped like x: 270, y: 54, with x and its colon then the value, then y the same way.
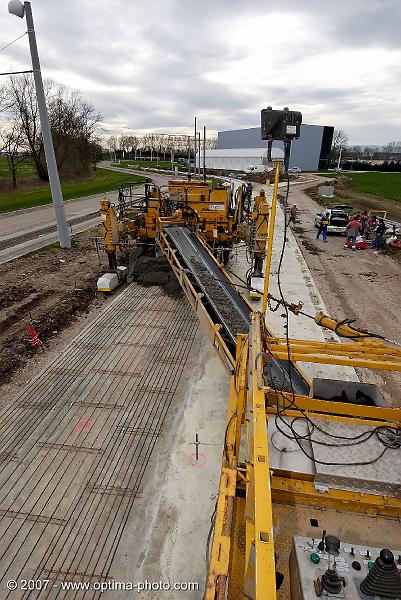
x: 53, y: 288
x: 357, y: 284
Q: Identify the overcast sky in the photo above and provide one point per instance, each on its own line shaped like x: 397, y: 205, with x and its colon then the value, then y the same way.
x: 154, y: 64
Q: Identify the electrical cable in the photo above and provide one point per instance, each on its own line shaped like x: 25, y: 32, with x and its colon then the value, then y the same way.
x: 393, y: 440
x: 13, y: 42
x: 209, y: 537
x: 226, y: 432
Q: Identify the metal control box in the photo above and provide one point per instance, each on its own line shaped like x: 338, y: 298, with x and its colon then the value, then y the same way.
x: 303, y: 571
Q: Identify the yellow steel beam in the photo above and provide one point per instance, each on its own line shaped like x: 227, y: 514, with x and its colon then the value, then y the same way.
x: 259, y: 559
x: 220, y: 553
x: 353, y: 361
x: 240, y: 387
x: 352, y: 346
x: 342, y: 329
x: 351, y: 420
x: 298, y: 491
x: 332, y: 409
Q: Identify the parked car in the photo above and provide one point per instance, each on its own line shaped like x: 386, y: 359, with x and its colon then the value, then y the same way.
x: 255, y: 169
x: 295, y: 170
x: 338, y: 218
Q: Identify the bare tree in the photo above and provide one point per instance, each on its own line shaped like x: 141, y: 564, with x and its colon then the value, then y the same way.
x: 21, y: 103
x: 211, y: 143
x: 72, y: 119
x: 340, y: 140
x: 12, y: 146
x: 355, y: 151
x: 112, y: 143
x: 393, y: 147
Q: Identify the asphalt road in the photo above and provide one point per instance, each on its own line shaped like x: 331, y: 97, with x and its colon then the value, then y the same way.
x: 33, y: 222
x: 26, y: 230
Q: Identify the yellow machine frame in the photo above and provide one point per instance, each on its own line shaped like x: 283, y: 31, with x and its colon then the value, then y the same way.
x: 211, y: 207
x: 251, y: 402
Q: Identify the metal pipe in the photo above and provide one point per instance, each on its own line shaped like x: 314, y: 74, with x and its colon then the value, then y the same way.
x: 57, y: 196
x: 199, y: 154
x: 195, y: 137
x: 272, y: 220
x: 204, y: 153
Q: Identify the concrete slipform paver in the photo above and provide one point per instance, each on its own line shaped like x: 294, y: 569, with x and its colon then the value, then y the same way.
x: 73, y: 504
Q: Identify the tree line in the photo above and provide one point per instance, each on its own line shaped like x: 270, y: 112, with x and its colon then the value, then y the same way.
x: 154, y: 145
x: 359, y: 157
x: 74, y: 123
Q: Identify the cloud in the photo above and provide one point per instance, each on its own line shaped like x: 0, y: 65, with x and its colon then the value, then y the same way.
x: 154, y: 65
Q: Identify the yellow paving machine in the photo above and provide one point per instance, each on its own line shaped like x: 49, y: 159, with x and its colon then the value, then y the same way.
x: 309, y: 501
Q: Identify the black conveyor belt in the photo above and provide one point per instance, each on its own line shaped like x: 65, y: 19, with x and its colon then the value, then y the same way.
x: 227, y: 306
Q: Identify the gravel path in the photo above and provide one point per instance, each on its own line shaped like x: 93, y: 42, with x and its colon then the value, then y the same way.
x: 359, y: 285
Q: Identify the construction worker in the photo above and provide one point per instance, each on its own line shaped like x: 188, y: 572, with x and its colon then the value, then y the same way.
x: 352, y: 231
x: 381, y: 228
x: 324, y: 223
x: 364, y: 221
x: 293, y: 214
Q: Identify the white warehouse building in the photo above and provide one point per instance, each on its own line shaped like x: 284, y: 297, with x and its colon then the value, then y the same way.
x: 239, y: 159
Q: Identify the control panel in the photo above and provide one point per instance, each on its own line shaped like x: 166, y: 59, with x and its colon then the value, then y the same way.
x: 331, y: 568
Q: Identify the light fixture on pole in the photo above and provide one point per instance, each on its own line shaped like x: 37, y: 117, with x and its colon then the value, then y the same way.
x: 15, y: 7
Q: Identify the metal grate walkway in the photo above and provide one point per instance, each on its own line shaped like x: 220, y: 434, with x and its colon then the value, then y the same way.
x: 75, y: 445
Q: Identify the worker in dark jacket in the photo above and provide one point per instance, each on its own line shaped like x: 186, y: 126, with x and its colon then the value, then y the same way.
x: 352, y: 231
x: 381, y: 228
x: 293, y: 214
x: 324, y: 223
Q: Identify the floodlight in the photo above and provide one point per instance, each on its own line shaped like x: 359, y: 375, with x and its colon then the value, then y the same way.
x: 15, y: 7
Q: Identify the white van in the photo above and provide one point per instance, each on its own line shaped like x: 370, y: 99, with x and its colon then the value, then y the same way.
x: 255, y: 169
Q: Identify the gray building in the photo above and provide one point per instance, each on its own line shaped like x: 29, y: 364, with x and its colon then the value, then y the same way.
x: 310, y: 152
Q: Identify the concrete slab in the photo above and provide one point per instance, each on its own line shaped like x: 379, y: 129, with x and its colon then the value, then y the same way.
x: 172, y: 518
x: 127, y: 395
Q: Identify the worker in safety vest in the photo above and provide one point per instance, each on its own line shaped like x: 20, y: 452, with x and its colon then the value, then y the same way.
x: 324, y: 223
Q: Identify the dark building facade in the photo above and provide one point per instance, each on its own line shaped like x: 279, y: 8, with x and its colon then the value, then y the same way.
x: 310, y: 152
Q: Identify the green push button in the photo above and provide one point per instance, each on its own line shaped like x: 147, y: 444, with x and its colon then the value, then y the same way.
x: 371, y: 564
x: 315, y: 558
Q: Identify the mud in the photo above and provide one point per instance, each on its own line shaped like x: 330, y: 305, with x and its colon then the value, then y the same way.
x: 14, y: 294
x: 51, y: 287
x: 311, y: 248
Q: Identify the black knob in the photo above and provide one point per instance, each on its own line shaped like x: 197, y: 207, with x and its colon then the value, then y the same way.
x: 356, y: 565
x: 387, y: 556
x: 320, y: 545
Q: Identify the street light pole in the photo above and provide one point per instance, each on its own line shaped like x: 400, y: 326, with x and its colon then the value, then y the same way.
x: 57, y: 196
x: 339, y: 159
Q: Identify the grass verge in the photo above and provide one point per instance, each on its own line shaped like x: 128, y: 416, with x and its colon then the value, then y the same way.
x: 102, y: 181
x: 140, y: 164
x: 385, y: 185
